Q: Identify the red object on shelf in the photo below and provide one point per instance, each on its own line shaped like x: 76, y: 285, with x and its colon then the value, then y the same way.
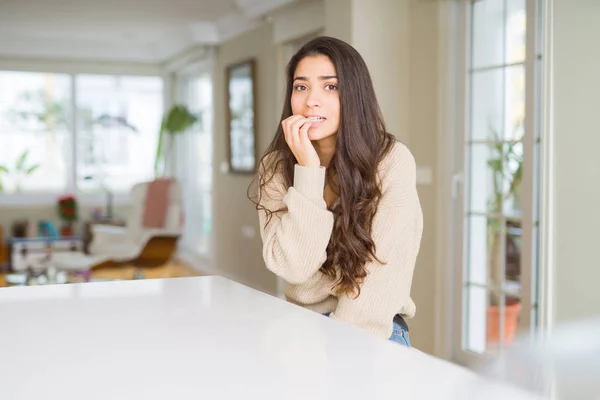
x: 66, y: 230
x: 67, y: 208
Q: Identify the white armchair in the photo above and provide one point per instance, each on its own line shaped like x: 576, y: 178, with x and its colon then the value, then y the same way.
x: 136, y: 243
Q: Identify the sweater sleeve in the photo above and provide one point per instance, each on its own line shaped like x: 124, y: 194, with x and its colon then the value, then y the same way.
x: 396, y: 231
x: 315, y: 290
x: 295, y: 240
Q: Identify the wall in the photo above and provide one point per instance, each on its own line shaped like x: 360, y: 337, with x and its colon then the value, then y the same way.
x: 422, y: 140
x: 382, y: 34
x: 236, y: 255
x: 576, y: 164
x: 338, y: 19
x: 76, y: 66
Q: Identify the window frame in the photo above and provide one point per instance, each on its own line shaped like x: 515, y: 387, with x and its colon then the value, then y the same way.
x: 532, y: 281
x: 72, y: 69
x: 182, y: 78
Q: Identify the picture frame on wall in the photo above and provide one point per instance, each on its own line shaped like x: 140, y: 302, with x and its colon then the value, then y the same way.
x: 241, y: 116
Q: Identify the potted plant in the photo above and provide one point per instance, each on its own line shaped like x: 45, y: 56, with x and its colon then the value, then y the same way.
x: 177, y: 120
x: 506, y: 166
x: 67, y: 210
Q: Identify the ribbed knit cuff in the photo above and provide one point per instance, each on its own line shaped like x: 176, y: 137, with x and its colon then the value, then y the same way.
x: 309, y: 181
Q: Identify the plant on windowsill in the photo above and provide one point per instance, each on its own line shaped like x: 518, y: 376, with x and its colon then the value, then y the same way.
x: 506, y: 165
x: 175, y: 121
x: 20, y: 171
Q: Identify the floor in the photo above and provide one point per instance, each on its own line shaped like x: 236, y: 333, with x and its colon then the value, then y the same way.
x: 173, y: 269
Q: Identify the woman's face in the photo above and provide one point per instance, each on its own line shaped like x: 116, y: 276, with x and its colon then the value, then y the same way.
x: 315, y: 96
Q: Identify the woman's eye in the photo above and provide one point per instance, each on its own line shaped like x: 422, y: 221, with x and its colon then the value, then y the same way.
x: 299, y: 87
x: 331, y: 87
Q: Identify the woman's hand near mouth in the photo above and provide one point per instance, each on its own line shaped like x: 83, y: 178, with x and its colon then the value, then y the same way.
x: 295, y: 129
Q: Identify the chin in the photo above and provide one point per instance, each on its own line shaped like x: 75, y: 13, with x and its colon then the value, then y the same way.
x: 318, y: 134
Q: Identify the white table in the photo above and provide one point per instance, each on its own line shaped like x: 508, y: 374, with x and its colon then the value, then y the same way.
x: 204, y: 338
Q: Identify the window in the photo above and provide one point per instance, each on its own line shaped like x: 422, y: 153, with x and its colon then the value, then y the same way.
x: 35, y: 122
x: 500, y: 214
x: 194, y: 160
x: 118, y: 123
x: 85, y: 133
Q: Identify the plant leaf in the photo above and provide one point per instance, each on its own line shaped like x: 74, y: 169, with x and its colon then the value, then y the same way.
x: 179, y: 119
x: 159, y: 147
x: 31, y: 169
x: 516, y: 180
x: 495, y: 164
x: 108, y: 120
x: 21, y: 160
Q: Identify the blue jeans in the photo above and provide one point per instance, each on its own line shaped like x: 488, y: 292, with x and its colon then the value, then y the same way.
x: 399, y: 334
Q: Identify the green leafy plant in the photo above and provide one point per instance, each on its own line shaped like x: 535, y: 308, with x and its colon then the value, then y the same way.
x: 22, y: 168
x: 3, y: 171
x: 176, y: 121
x: 19, y: 170
x: 506, y: 166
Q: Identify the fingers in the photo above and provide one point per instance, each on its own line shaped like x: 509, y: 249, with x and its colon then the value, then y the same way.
x: 295, y: 130
x: 285, y: 124
x: 303, y: 133
x: 291, y: 126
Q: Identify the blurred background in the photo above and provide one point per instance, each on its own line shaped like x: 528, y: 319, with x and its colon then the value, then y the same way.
x: 497, y: 100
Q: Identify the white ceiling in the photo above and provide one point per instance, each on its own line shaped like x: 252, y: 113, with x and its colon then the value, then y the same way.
x: 122, y: 30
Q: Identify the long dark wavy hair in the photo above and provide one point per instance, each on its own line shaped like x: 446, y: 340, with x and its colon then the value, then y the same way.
x: 362, y: 142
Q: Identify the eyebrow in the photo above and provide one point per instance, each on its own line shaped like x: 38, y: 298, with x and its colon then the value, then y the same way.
x: 321, y: 78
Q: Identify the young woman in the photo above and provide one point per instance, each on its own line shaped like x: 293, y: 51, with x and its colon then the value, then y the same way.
x: 340, y: 217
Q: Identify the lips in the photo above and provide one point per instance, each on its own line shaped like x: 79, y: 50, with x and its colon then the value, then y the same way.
x: 316, y: 118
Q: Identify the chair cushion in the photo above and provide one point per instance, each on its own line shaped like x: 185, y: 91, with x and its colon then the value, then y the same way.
x: 156, y: 203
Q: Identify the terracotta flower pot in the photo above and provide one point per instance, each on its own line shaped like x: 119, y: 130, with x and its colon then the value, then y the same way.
x: 511, y: 319
x: 66, y: 230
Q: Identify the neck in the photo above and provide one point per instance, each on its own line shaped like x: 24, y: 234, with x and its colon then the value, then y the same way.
x: 325, y: 149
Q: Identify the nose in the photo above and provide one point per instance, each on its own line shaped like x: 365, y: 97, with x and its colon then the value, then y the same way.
x: 313, y: 99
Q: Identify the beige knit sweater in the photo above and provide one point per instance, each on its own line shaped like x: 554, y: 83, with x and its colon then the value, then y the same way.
x: 295, y: 242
